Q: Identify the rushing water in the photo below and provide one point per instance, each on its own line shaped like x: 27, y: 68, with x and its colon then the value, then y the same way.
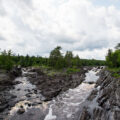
x: 67, y: 104
x: 63, y: 107
x: 27, y: 94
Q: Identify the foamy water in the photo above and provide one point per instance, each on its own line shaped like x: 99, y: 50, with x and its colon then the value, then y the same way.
x: 67, y: 104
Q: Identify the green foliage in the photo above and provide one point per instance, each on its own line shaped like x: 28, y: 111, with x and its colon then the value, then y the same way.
x: 113, y: 70
x: 6, y: 61
x: 113, y: 61
x: 116, y: 75
x: 55, y: 61
x: 72, y: 70
x: 68, y: 59
x: 113, y: 58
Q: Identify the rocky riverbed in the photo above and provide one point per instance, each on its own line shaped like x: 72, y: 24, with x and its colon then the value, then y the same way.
x: 51, y: 86
x: 91, y: 94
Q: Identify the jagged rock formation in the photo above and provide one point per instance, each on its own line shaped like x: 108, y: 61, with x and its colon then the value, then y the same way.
x: 104, y: 101
x: 51, y: 86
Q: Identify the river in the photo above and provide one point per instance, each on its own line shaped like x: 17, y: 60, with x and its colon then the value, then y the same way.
x: 63, y: 107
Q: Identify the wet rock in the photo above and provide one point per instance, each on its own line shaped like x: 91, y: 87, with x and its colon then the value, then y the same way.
x: 85, y: 115
x: 3, y: 107
x: 12, y: 103
x: 16, y: 71
x: 36, y: 70
x: 13, y: 96
x: 21, y: 111
x: 16, y: 82
x: 35, y: 91
x: 116, y: 114
x: 97, y: 114
x: 91, y: 82
x: 29, y: 104
x: 36, y: 103
x: 92, y: 95
x: 28, y: 95
x: 31, y: 75
x: 18, y: 89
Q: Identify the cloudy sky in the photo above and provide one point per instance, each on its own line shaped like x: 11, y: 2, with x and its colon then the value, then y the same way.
x: 86, y: 27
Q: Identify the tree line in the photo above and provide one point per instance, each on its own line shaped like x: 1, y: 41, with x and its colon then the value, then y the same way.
x: 55, y: 60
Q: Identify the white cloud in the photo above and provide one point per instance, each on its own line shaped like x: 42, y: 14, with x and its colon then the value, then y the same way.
x: 37, y: 26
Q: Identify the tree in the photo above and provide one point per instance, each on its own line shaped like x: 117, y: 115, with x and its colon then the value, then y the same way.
x: 68, y: 58
x: 109, y: 58
x: 77, y: 61
x: 55, y: 57
x: 113, y: 58
x: 6, y: 61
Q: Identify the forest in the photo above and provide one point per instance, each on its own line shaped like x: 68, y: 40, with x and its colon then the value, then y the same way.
x: 55, y: 60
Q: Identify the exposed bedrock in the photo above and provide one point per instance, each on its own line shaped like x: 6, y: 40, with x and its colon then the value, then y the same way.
x: 51, y: 86
x: 104, y: 101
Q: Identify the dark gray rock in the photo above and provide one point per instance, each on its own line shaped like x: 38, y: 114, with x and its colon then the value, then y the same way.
x: 3, y: 107
x: 16, y: 71
x: 21, y: 111
x: 104, y: 103
x: 51, y: 86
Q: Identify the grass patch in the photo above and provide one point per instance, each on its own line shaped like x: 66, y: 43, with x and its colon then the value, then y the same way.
x: 113, y: 69
x: 51, y: 71
x: 72, y: 70
x: 115, y: 72
x: 116, y: 75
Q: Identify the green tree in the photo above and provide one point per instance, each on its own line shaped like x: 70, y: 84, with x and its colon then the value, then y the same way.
x: 113, y: 58
x: 56, y: 57
x: 109, y: 58
x: 77, y: 61
x: 6, y: 61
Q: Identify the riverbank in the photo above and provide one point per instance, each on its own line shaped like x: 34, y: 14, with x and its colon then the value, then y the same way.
x: 104, y: 101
